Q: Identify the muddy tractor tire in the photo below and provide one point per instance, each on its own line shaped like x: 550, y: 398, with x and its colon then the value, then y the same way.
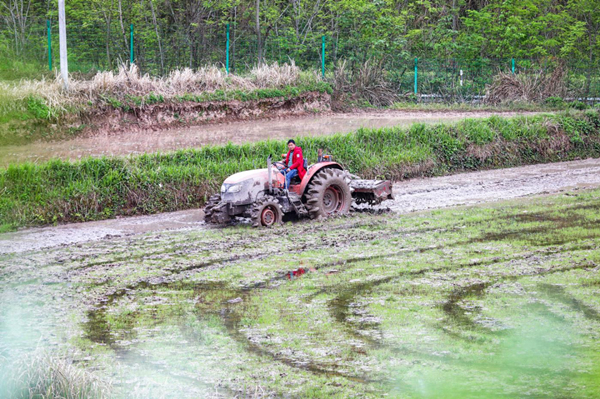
x: 266, y: 212
x: 209, y: 209
x: 328, y: 194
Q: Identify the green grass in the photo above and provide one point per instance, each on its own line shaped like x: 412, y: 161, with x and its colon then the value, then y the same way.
x: 99, y: 188
x: 14, y: 69
x: 24, y: 120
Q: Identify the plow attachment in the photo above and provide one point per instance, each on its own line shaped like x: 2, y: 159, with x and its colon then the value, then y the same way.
x: 371, y: 192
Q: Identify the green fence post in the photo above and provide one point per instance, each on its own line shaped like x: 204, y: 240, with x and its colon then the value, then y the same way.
x: 49, y: 44
x: 513, y: 66
x: 416, y: 73
x: 227, y: 52
x: 131, y: 55
x: 323, y: 56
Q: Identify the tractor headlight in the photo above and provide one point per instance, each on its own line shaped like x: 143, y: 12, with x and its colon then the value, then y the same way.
x: 231, y: 188
x: 235, y: 188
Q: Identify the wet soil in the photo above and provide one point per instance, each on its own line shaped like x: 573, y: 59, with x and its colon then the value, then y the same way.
x: 411, y: 306
x: 410, y: 196
x: 136, y: 141
x: 494, y: 185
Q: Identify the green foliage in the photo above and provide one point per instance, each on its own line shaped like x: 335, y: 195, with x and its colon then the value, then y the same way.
x: 555, y: 102
x: 113, y: 102
x: 170, y: 36
x: 154, y: 99
x: 578, y: 105
x: 38, y: 108
x: 97, y: 188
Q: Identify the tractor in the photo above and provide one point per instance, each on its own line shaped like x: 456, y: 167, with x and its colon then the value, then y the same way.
x: 327, y: 189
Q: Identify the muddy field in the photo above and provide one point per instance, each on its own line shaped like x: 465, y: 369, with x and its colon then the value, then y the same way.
x: 493, y: 300
x: 136, y: 142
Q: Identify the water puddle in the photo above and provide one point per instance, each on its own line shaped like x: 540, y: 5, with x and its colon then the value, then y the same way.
x: 236, y: 132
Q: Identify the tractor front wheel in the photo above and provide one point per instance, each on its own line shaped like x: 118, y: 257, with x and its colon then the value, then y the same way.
x: 266, y: 212
x: 209, y: 209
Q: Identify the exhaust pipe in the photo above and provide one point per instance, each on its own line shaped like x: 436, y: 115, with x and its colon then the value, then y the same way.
x: 269, y: 174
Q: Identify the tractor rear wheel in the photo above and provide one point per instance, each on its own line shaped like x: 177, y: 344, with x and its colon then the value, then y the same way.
x: 209, y: 209
x: 328, y: 194
x: 266, y: 212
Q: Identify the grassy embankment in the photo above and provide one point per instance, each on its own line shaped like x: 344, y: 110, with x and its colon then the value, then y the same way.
x: 488, y: 301
x: 41, y: 110
x: 100, y: 188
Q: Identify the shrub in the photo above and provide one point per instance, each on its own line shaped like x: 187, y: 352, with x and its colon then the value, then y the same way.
x: 578, y: 105
x: 555, y: 102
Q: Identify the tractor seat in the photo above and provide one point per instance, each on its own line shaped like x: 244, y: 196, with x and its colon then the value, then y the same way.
x: 296, y: 179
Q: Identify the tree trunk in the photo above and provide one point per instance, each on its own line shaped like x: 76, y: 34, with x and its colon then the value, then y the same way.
x: 122, y: 26
x: 162, y: 60
x: 259, y: 48
x: 107, y: 19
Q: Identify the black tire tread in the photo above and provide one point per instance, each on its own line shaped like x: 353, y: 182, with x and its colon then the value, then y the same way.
x: 258, y: 207
x: 319, y: 184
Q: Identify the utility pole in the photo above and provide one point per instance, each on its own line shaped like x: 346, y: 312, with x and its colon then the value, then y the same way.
x: 62, y: 36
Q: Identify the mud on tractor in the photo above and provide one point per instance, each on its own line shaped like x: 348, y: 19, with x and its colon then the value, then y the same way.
x: 326, y: 189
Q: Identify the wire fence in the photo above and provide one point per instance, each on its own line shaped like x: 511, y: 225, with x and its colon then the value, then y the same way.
x: 158, y: 49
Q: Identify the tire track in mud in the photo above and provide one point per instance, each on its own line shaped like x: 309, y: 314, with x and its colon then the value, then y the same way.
x: 456, y: 315
x: 558, y: 294
x: 99, y: 331
x: 340, y: 307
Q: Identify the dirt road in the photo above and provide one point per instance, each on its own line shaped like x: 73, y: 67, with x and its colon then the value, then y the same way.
x: 236, y: 132
x: 412, y: 195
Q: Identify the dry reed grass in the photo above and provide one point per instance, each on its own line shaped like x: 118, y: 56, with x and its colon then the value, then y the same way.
x: 534, y: 87
x: 130, y: 82
x: 41, y: 375
x: 368, y: 83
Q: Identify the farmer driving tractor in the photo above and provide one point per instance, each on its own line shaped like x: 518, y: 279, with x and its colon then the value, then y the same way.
x: 294, y: 163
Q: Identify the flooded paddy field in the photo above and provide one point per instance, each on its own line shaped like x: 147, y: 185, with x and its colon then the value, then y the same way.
x: 138, y: 142
x: 492, y: 300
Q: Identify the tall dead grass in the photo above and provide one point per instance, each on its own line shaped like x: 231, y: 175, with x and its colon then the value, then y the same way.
x: 533, y: 87
x: 42, y: 375
x: 367, y: 82
x: 128, y: 81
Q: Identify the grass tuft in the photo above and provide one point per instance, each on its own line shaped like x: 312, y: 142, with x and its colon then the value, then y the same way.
x: 42, y: 375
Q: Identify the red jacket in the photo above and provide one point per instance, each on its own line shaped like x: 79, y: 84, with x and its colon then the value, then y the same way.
x: 298, y: 162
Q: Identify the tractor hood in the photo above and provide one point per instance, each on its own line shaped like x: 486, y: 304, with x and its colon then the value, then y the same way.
x: 244, y: 187
x: 256, y: 174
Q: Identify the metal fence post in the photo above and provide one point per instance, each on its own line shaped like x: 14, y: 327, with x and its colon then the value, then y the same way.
x: 416, y: 74
x: 513, y: 66
x: 131, y: 55
x: 227, y: 52
x: 49, y: 44
x: 323, y: 56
